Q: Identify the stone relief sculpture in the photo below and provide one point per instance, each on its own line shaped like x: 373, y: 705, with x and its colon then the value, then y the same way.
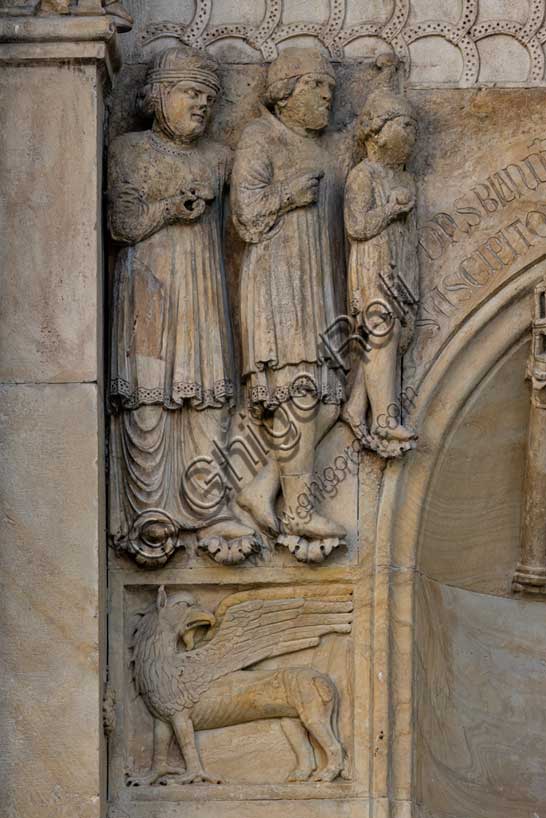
x: 205, y: 686
x: 171, y: 362
x: 383, y: 270
x: 287, y: 191
x: 530, y: 575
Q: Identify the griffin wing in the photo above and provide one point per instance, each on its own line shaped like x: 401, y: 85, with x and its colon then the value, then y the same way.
x: 257, y: 625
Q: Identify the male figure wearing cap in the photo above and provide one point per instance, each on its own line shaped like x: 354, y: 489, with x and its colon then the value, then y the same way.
x: 287, y: 189
x: 171, y: 380
x: 383, y: 266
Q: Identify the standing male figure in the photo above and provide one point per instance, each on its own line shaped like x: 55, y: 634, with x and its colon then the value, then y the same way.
x: 171, y: 386
x: 287, y: 189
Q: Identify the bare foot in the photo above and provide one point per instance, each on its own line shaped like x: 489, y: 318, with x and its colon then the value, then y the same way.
x: 228, y: 542
x: 317, y: 527
x: 357, y: 426
x: 258, y: 498
x: 399, y: 433
x: 230, y: 529
x: 305, y: 550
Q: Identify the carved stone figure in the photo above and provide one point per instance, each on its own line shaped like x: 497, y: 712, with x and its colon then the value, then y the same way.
x: 530, y: 573
x: 204, y: 686
x: 287, y: 198
x: 171, y: 379
x: 383, y: 270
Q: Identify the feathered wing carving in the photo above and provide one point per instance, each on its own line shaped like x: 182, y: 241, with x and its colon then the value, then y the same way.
x: 257, y: 625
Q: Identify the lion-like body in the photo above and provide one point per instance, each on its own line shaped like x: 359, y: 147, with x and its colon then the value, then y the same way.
x: 206, y: 688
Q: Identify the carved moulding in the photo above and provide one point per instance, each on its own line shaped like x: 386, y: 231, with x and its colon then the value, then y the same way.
x: 189, y: 668
x: 398, y: 32
x: 120, y: 17
x: 530, y: 575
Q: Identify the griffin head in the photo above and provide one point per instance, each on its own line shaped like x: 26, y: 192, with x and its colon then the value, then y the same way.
x: 180, y: 614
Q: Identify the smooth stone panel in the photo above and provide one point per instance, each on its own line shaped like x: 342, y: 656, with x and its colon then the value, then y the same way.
x: 481, y: 705
x: 51, y: 532
x: 50, y: 249
x: 471, y: 524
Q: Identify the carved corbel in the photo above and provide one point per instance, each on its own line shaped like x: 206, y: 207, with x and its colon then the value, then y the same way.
x: 530, y: 575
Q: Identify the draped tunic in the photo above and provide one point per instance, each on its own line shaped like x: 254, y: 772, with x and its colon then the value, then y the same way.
x: 292, y: 276
x: 170, y: 336
x: 383, y: 261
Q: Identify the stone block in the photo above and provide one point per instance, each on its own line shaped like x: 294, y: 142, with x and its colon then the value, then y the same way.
x: 51, y: 533
x: 51, y: 245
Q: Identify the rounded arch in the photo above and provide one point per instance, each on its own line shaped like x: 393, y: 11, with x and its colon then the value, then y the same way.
x: 470, y: 354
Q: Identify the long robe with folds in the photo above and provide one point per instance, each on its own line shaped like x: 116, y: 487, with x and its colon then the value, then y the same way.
x: 383, y: 263
x: 292, y: 278
x: 171, y: 381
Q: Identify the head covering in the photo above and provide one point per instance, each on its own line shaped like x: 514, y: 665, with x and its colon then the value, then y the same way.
x: 381, y: 106
x: 183, y: 63
x: 296, y: 62
x: 180, y: 64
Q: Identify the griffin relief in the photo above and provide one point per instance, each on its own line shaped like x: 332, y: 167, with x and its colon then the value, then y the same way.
x: 196, y: 670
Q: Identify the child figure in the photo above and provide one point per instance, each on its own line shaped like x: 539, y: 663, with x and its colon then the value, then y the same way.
x: 383, y: 270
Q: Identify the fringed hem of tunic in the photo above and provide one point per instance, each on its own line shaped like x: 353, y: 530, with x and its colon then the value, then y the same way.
x: 270, y: 388
x: 219, y: 395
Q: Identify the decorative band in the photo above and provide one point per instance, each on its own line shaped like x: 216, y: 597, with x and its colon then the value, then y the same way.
x: 176, y: 75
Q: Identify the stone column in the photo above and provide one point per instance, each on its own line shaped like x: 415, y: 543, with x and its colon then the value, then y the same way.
x: 52, y: 74
x: 530, y: 574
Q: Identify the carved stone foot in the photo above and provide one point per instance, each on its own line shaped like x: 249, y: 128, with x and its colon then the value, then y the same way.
x: 305, y: 550
x: 230, y: 552
x: 298, y: 775
x: 258, y: 499
x: 191, y: 777
x: 357, y: 427
x: 400, y: 434
x: 152, y: 778
x: 228, y: 542
x: 329, y: 773
x: 387, y: 447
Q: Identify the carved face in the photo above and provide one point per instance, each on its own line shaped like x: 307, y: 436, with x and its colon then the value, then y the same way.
x: 397, y: 138
x: 187, y: 108
x: 184, y: 618
x: 310, y: 102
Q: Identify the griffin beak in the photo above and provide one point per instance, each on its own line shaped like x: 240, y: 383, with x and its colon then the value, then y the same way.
x: 197, y: 619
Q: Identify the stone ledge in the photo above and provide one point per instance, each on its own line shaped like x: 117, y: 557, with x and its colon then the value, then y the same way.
x: 60, y: 38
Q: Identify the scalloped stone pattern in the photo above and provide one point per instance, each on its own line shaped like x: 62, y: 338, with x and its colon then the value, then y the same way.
x: 348, y: 28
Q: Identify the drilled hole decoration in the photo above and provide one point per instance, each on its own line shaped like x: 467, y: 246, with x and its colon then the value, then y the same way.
x: 397, y: 33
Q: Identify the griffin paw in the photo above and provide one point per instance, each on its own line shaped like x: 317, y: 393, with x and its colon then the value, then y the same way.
x: 197, y: 777
x: 229, y: 552
x: 305, y: 550
x: 146, y: 780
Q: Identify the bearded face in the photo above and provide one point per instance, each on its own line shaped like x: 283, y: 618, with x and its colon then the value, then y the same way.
x: 310, y: 102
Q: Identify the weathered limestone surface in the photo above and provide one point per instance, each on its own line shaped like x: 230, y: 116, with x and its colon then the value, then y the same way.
x: 472, y: 519
x: 51, y: 416
x: 480, y: 704
x: 50, y: 171
x: 51, y: 532
x: 401, y: 678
